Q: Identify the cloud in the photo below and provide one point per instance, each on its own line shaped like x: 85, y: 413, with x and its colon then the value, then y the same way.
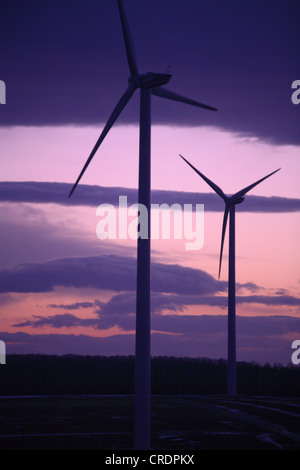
x: 56, y: 321
x: 261, y: 339
x: 287, y: 300
x: 33, y: 233
x: 74, y: 306
x: 112, y: 272
x: 25, y: 343
x: 244, y: 65
x: 89, y: 195
x: 120, y: 311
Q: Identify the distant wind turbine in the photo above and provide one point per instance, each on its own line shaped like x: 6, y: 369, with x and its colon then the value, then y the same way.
x: 149, y: 83
x: 230, y: 203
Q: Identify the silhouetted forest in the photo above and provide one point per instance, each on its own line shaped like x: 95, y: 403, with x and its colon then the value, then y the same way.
x: 70, y: 374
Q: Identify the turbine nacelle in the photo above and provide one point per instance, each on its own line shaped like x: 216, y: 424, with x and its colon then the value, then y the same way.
x: 149, y: 80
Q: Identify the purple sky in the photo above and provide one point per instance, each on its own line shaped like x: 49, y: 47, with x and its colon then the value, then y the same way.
x: 62, y: 289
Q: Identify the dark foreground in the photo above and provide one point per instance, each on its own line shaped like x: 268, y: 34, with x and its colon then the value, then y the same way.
x: 178, y: 423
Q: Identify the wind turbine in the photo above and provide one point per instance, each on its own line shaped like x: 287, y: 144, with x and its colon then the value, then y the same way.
x: 230, y: 203
x: 149, y: 84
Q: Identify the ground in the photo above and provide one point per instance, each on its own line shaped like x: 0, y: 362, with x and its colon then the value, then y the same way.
x: 177, y: 422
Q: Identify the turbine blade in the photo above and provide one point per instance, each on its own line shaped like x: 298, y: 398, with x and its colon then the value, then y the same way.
x: 170, y: 95
x: 242, y: 192
x: 209, y: 182
x: 225, y: 218
x: 129, y: 44
x: 112, y: 119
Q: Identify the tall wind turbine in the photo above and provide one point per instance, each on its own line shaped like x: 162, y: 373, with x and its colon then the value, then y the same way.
x: 149, y: 84
x: 230, y: 203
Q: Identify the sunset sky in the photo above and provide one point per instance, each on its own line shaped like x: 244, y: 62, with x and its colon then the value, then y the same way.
x: 62, y: 289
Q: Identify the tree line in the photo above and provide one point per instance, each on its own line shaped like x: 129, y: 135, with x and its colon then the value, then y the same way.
x: 34, y: 374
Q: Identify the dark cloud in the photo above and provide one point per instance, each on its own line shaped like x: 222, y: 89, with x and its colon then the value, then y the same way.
x: 88, y: 195
x: 56, y: 321
x: 261, y: 339
x: 287, y: 300
x: 29, y: 233
x: 214, y: 325
x: 125, y: 303
x: 25, y: 343
x: 65, y: 64
x: 120, y: 311
x: 74, y: 306
x: 189, y: 286
x: 117, y: 273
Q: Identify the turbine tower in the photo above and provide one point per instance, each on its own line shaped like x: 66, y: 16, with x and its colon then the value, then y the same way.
x: 149, y: 84
x: 230, y: 203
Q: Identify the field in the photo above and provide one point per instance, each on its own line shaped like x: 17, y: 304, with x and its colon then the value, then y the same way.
x: 186, y: 422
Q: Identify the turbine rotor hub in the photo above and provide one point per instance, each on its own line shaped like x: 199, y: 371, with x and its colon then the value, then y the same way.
x: 238, y: 200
